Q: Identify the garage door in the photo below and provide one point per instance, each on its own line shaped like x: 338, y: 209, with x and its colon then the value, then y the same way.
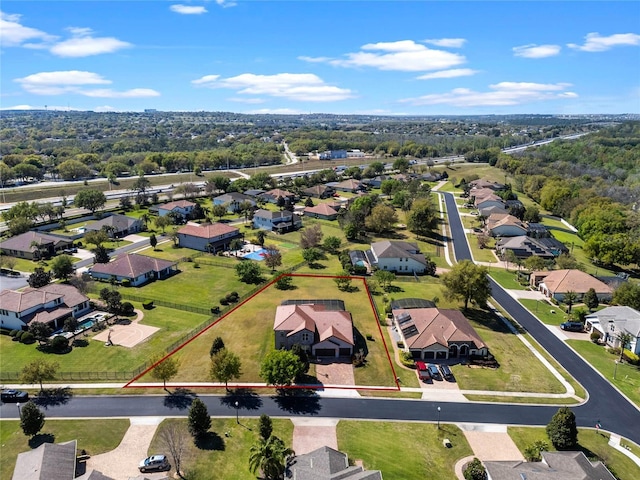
x: 345, y: 352
x: 428, y: 355
x: 325, y: 352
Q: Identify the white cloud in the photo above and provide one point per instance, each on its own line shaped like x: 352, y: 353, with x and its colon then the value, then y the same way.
x: 453, y: 73
x: 253, y: 101
x: 187, y: 9
x: 303, y: 87
x: 594, y: 42
x: 403, y: 55
x: 72, y: 81
x: 13, y: 33
x: 447, y: 42
x: 42, y: 107
x: 83, y: 44
x: 105, y: 108
x: 226, y: 3
x: 536, y: 51
x: 500, y: 94
x: 314, y: 59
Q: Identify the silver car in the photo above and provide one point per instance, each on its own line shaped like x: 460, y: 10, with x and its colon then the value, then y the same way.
x: 154, y: 463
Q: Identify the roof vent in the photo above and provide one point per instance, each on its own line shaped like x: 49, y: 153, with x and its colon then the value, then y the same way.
x: 523, y: 476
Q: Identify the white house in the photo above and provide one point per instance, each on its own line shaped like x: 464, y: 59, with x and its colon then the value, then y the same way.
x: 610, y: 321
x: 51, y: 304
x: 396, y: 256
x: 180, y: 207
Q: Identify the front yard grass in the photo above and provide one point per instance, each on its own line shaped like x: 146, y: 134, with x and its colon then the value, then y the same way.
x: 95, y: 357
x: 95, y: 436
x: 544, y: 311
x: 481, y: 254
x: 248, y: 332
x: 594, y: 445
x: 627, y: 376
x: 391, y: 448
x: 527, y: 400
x: 519, y: 371
x: 506, y: 278
x: 228, y: 456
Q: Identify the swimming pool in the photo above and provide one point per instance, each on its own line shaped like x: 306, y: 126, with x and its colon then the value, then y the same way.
x: 257, y: 255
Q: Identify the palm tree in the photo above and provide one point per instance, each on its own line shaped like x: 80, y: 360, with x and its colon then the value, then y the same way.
x: 624, y: 338
x: 146, y: 218
x: 570, y: 298
x: 35, y: 245
x: 269, y: 457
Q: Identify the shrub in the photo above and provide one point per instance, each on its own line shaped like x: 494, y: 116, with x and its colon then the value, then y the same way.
x: 562, y: 429
x: 59, y: 344
x: 196, y: 265
x: 369, y: 337
x: 13, y: 333
x: 147, y: 304
x: 79, y: 244
x: 19, y: 334
x: 215, y: 310
x: 628, y: 355
x: 407, y: 359
x: 595, y: 337
x: 125, y: 282
x: 224, y: 301
x: 614, y: 351
x: 475, y: 471
x: 400, y: 345
x: 127, y: 308
x: 232, y: 297
x: 5, y: 331
x: 27, y: 338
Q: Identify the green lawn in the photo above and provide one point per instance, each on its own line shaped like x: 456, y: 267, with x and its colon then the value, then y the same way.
x: 543, y: 310
x: 627, y: 376
x: 248, y: 332
x: 96, y: 357
x: 506, y: 278
x: 29, y: 266
x: 481, y: 254
x: 391, y: 448
x: 228, y: 456
x: 519, y: 371
x: 95, y: 436
x: 594, y: 445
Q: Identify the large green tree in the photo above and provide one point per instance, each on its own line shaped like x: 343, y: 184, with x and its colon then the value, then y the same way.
x: 90, y: 199
x: 31, y: 419
x: 467, y: 281
x: 73, y: 170
x: 39, y: 371
x: 562, y: 429
x: 280, y: 368
x: 165, y: 370
x: 269, y: 456
x: 627, y: 294
x: 249, y: 272
x: 199, y: 421
x: 62, y: 266
x: 381, y: 219
x: 225, y: 366
x: 423, y: 217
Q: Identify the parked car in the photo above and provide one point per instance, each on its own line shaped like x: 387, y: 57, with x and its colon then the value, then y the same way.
x: 157, y: 463
x: 572, y: 326
x: 435, y: 373
x: 423, y: 371
x: 14, y: 396
x: 446, y: 372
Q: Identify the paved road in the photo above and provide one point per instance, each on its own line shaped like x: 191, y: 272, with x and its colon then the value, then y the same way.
x: 605, y: 403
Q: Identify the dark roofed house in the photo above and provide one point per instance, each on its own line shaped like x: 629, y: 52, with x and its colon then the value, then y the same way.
x: 52, y: 461
x: 523, y: 247
x: 138, y: 269
x: 254, y: 192
x: 325, y: 463
x: 554, y: 466
x: 34, y: 245
x: 350, y: 185
x: 322, y: 211
x: 117, y: 225
x: 319, y: 191
x: 207, y: 237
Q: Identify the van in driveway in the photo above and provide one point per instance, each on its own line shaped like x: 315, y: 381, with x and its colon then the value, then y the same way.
x: 446, y: 373
x: 572, y: 326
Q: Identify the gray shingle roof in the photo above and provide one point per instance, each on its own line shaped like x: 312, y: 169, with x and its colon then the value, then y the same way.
x: 325, y: 463
x: 50, y: 461
x: 398, y: 249
x: 119, y: 222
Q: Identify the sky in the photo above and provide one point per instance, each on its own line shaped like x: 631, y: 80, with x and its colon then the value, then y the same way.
x: 357, y: 57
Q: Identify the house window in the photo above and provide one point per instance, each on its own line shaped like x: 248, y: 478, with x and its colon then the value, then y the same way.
x: 306, y: 337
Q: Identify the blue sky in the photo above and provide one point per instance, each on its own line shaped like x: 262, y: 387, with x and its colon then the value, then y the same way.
x: 358, y: 57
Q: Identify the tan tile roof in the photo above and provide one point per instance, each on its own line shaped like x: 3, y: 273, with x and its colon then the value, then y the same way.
x: 328, y: 323
x: 208, y: 230
x: 132, y: 265
x: 436, y: 326
x: 276, y: 192
x: 72, y: 296
x: 321, y: 209
x: 562, y: 281
x: 350, y: 183
x: 32, y: 297
x: 504, y: 219
x: 177, y: 204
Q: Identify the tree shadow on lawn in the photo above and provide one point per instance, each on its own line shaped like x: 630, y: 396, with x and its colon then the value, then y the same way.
x: 41, y: 438
x: 51, y: 397
x: 180, y: 398
x: 210, y: 441
x: 487, y: 319
x: 247, y: 399
x: 298, y: 401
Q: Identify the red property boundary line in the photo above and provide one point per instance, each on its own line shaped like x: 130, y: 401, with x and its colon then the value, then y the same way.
x: 293, y: 387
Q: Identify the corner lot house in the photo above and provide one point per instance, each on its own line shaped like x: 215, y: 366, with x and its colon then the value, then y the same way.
x: 554, y: 466
x: 180, y: 207
x: 210, y: 238
x: 233, y: 200
x: 52, y: 461
x: 138, y: 269
x: 324, y: 332
x: 281, y: 222
x: 610, y: 321
x: 322, y: 211
x: 51, y: 304
x: 34, y: 245
x: 432, y: 333
x: 555, y: 284
x: 117, y: 225
x: 396, y: 256
x: 325, y: 463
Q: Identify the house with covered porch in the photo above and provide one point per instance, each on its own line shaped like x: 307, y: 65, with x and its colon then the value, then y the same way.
x: 437, y: 334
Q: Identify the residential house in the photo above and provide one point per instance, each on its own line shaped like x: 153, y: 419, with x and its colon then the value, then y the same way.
x: 234, y: 200
x: 254, y: 193
x: 504, y: 225
x: 315, y: 327
x: 523, y: 247
x: 51, y: 304
x: 325, y: 463
x: 490, y: 209
x: 210, y: 237
x: 485, y: 197
x: 138, y: 269
x: 281, y: 222
x: 34, y: 245
x: 554, y: 466
x: 183, y: 208
x: 610, y: 321
x: 433, y: 333
x: 53, y: 461
x: 484, y: 183
x: 272, y: 196
x: 322, y: 211
x: 351, y: 185
x: 319, y: 191
x: 117, y: 225
x: 396, y: 256
x: 556, y: 283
